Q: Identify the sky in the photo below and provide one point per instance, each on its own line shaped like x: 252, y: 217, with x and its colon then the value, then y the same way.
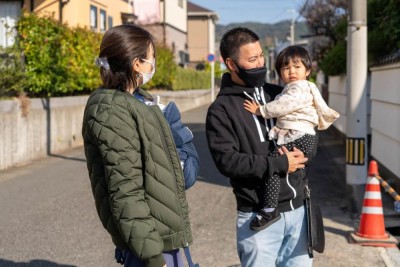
x: 263, y: 11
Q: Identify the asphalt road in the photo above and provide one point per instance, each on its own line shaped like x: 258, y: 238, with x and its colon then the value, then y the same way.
x: 48, y: 217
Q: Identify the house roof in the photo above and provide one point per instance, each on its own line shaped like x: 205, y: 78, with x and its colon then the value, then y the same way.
x: 196, y: 10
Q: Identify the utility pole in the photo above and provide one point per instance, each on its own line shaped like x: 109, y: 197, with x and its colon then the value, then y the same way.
x: 292, y: 28
x: 356, y: 139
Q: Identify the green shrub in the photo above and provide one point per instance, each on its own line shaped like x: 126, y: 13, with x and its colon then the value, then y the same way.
x: 334, y: 62
x: 59, y: 60
x: 13, y: 80
x: 191, y: 79
x: 166, y: 69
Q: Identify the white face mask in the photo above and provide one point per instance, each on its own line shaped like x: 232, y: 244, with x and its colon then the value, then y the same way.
x: 147, y: 76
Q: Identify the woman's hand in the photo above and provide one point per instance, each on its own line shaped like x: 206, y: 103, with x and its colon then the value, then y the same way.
x: 252, y: 107
x: 296, y: 158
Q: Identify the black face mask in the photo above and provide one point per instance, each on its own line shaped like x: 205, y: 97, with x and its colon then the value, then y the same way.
x: 253, y: 77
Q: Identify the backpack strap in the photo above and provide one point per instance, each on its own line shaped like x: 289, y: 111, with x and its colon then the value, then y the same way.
x: 189, y: 258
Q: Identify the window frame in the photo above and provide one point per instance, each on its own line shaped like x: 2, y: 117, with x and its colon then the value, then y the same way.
x: 103, y: 20
x: 110, y: 21
x: 93, y: 11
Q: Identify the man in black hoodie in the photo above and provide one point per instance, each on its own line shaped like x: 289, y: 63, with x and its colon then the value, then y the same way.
x: 239, y: 144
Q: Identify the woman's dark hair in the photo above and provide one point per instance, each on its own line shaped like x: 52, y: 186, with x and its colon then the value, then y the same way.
x: 292, y: 52
x: 234, y: 39
x: 121, y: 45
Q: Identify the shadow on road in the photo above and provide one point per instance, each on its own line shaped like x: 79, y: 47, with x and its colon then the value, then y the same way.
x: 336, y: 231
x: 208, y: 171
x: 67, y: 158
x: 32, y: 263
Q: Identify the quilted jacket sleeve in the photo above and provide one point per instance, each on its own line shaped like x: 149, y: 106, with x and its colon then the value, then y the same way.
x: 120, y: 148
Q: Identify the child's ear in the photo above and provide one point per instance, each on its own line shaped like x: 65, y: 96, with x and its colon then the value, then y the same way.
x: 308, y: 72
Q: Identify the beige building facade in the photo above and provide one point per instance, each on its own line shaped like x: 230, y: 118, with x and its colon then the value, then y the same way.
x: 183, y: 27
x: 201, y: 33
x: 98, y: 15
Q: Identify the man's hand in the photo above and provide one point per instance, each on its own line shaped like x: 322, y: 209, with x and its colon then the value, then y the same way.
x: 296, y: 158
x: 252, y: 107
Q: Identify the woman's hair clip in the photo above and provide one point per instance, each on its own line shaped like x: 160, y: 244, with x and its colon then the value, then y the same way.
x: 102, y: 62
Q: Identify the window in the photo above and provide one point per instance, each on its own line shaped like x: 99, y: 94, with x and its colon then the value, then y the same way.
x: 110, y: 22
x: 93, y: 17
x: 103, y: 20
x: 180, y: 3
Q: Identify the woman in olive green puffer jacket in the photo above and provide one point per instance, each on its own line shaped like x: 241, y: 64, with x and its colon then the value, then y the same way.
x: 134, y: 169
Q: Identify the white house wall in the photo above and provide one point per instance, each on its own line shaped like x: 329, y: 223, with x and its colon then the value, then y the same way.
x: 338, y: 101
x: 9, y: 14
x: 175, y: 15
x: 385, y: 122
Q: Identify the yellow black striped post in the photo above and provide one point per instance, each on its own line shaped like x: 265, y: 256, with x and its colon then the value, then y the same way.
x: 388, y: 188
x: 355, y: 151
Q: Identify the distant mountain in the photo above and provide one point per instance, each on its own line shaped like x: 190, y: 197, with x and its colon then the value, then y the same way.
x: 269, y: 33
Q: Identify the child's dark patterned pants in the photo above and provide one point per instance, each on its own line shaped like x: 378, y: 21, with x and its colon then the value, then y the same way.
x: 272, y: 184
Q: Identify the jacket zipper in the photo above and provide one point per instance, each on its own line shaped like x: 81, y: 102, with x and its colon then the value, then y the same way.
x: 172, y: 167
x: 272, y: 125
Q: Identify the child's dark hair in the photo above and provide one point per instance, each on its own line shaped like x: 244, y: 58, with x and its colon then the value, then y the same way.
x: 291, y: 53
x: 233, y: 39
x: 121, y: 45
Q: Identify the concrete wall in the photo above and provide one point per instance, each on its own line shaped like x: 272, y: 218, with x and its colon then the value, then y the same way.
x: 46, y: 131
x: 385, y: 122
x: 383, y: 112
x: 41, y: 132
x: 338, y: 93
x: 337, y: 100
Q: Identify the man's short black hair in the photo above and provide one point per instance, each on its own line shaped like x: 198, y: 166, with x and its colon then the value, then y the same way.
x: 234, y: 39
x: 290, y: 53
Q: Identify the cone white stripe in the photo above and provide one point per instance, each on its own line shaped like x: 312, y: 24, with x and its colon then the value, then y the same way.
x: 372, y: 195
x: 372, y: 180
x: 372, y: 210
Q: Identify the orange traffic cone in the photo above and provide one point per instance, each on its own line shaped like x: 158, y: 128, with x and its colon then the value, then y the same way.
x: 372, y: 223
x: 372, y: 226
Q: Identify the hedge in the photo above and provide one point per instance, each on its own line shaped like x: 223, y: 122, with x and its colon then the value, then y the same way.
x: 51, y: 59
x: 13, y: 77
x: 191, y: 79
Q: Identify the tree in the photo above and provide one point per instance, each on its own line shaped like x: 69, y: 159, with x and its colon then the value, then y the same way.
x: 322, y: 16
x: 327, y: 22
x: 383, y: 28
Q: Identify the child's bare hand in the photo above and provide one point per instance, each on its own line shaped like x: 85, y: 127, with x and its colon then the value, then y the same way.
x: 252, y: 107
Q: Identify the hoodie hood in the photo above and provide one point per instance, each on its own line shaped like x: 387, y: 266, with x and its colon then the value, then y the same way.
x: 228, y: 87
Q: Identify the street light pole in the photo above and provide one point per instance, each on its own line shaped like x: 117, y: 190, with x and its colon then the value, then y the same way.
x: 356, y: 139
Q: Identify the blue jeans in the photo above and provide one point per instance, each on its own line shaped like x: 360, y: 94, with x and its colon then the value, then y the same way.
x: 284, y: 243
